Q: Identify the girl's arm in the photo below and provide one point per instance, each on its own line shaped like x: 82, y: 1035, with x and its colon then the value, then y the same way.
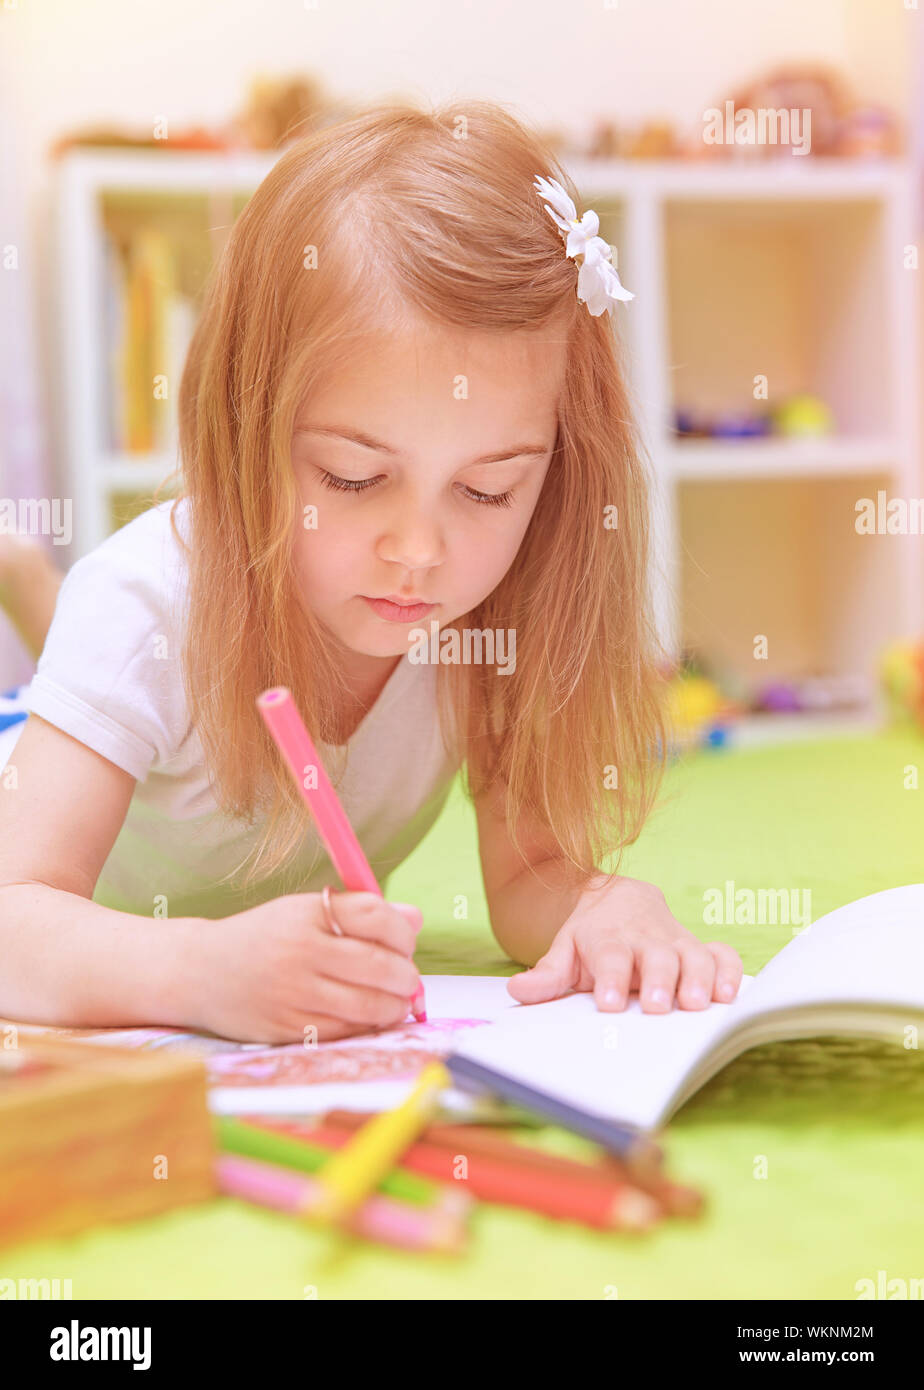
x: 273, y: 973
x: 66, y: 960
x: 525, y: 914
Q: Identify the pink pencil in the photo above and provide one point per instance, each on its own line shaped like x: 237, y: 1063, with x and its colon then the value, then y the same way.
x: 297, y: 747
x: 378, y: 1218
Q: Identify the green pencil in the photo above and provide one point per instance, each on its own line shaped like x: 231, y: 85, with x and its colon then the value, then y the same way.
x: 253, y: 1141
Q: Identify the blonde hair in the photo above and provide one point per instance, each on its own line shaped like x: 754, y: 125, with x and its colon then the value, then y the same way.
x: 460, y: 237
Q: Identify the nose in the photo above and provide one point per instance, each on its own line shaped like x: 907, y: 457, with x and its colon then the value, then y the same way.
x: 413, y: 539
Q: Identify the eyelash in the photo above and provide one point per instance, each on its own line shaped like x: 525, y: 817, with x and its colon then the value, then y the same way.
x: 500, y: 499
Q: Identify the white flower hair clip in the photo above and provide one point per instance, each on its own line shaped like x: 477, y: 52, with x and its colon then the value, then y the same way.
x: 598, y: 284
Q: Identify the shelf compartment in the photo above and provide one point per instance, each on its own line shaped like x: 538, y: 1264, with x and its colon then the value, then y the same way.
x: 784, y: 559
x: 790, y: 290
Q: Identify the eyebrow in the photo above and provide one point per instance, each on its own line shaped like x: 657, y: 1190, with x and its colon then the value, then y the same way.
x: 369, y: 442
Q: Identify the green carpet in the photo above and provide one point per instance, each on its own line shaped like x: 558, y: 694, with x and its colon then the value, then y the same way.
x: 836, y: 1125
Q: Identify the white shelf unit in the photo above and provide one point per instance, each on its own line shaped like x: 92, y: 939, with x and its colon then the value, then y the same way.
x: 792, y: 269
x: 87, y: 180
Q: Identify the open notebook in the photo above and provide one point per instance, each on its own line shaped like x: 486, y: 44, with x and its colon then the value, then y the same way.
x: 859, y: 969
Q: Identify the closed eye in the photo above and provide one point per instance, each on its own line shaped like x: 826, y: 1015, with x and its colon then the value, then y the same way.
x: 489, y: 499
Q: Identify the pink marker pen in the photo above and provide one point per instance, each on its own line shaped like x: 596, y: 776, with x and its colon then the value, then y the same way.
x: 297, y: 747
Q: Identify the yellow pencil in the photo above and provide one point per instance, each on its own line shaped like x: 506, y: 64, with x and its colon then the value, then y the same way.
x: 356, y: 1170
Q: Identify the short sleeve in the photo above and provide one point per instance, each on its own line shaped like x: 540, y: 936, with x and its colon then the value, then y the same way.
x: 110, y: 671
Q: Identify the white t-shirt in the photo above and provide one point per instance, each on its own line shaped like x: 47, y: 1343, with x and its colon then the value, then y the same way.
x: 102, y: 679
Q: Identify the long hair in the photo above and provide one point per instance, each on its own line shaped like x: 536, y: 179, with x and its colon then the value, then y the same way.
x: 573, y: 737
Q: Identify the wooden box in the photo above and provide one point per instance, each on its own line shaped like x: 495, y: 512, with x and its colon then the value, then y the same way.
x: 92, y: 1134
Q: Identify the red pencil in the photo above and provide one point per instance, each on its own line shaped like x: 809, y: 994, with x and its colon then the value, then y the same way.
x: 605, y: 1202
x: 675, y: 1199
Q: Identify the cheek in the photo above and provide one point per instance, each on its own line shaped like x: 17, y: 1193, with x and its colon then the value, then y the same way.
x: 488, y: 551
x: 322, y: 557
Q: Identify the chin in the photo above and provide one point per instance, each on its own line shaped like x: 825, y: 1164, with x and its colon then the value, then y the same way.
x: 383, y: 644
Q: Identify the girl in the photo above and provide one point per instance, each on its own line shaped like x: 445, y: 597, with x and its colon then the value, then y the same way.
x: 396, y: 411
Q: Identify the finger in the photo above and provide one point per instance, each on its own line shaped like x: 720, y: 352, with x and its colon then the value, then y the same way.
x: 728, y: 972
x: 611, y: 966
x: 371, y: 918
x: 658, y: 978
x: 355, y: 1003
x: 697, y: 976
x: 355, y: 961
x: 553, y: 974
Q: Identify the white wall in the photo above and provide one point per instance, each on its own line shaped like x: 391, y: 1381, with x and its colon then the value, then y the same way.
x: 561, y: 61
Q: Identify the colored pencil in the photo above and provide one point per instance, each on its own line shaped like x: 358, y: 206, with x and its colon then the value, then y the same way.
x: 346, y: 853
x: 675, y: 1199
x: 595, y: 1199
x: 373, y: 1150
x: 255, y: 1139
x: 378, y: 1218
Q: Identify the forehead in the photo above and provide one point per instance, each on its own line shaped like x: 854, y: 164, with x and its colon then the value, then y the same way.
x: 514, y: 377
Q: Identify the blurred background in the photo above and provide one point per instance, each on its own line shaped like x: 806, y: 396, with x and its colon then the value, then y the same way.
x: 757, y: 167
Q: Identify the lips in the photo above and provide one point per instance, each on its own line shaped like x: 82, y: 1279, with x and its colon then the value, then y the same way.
x: 399, y: 612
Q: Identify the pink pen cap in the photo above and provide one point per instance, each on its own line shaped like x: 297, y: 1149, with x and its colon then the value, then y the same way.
x: 297, y: 747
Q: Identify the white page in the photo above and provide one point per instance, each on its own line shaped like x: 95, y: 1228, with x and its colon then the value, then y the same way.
x: 870, y: 951
x: 627, y: 1066
x: 618, y: 1065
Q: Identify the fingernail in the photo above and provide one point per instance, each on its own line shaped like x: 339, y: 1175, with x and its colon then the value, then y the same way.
x: 412, y: 913
x: 610, y: 997
x: 698, y: 998
x: 659, y: 997
x: 726, y: 990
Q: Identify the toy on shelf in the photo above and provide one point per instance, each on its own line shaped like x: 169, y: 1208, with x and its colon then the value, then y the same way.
x: 697, y: 713
x: 797, y: 417
x: 868, y: 131
x: 690, y: 425
x: 778, y: 697
x: 795, y: 109
x: 833, y: 122
x: 702, y: 707
x: 112, y: 137
x: 275, y: 112
x: 812, y: 694
x: 279, y: 110
x: 901, y: 670
x: 803, y: 417
x: 656, y: 140
x: 818, y: 90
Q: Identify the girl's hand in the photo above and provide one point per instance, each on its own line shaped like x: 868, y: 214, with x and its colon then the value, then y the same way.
x: 624, y: 938
x: 275, y: 971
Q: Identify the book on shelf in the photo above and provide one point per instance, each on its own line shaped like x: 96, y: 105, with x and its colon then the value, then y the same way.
x: 148, y: 324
